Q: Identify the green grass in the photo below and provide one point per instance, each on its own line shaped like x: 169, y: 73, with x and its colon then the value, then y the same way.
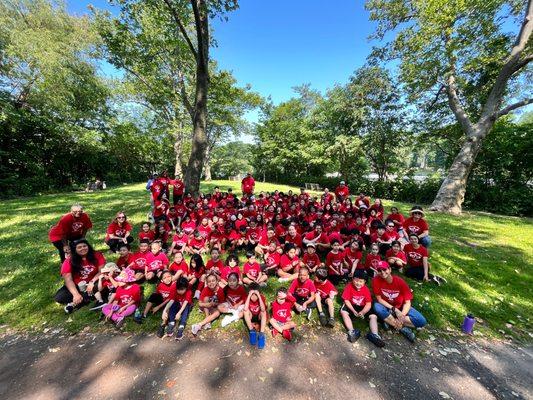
x: 484, y: 257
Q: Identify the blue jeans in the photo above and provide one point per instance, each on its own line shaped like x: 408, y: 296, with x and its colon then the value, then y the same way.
x: 173, y: 310
x: 416, y: 318
x: 425, y: 241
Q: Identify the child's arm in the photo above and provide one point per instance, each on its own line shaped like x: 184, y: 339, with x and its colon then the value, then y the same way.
x: 309, y: 300
x: 124, y: 307
x: 365, y: 309
x: 261, y: 303
x: 247, y: 302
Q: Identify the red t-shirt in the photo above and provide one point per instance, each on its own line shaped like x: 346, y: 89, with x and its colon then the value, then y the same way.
x: 156, y: 262
x: 205, y: 231
x: 252, y: 269
x: 400, y: 255
x: 272, y: 259
x: 372, y: 260
x: 197, y: 243
x: 325, y: 288
x: 180, y: 241
x: 150, y: 235
x: 166, y: 291
x: 140, y: 260
x: 182, y: 266
x: 335, y: 261
x: 115, y: 229
x: 282, y: 312
x: 255, y: 307
x: 296, y: 239
x: 416, y: 227
x: 395, y: 293
x: 350, y: 256
x: 234, y: 296
x: 188, y: 227
x: 300, y: 289
x: 209, y: 295
x: 123, y: 262
x: 285, y: 262
x: 359, y: 297
x: 226, y: 270
x: 218, y: 265
x: 342, y: 191
x: 311, y: 260
x: 186, y: 296
x: 178, y: 187
x: 415, y: 256
x: 248, y: 184
x: 70, y: 228
x: 88, y: 270
x: 125, y: 295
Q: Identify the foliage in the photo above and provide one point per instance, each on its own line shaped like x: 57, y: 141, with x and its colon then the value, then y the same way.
x: 231, y: 159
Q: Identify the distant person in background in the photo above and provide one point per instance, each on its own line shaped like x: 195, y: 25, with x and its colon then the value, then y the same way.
x: 165, y: 183
x: 342, y: 191
x: 178, y: 188
x: 118, y: 232
x: 70, y: 227
x: 248, y: 184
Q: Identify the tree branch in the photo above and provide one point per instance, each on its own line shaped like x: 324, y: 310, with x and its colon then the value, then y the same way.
x: 183, y: 93
x: 455, y: 105
x: 512, y: 107
x: 176, y: 18
x: 522, y: 63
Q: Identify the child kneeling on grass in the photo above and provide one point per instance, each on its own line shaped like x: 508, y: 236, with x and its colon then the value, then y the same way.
x: 179, y: 309
x: 281, y: 320
x: 255, y: 316
x: 210, y: 297
x: 125, y: 300
x: 235, y: 295
x: 325, y: 295
x: 358, y: 304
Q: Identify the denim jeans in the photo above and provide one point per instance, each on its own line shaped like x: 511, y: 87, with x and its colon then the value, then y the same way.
x: 416, y: 318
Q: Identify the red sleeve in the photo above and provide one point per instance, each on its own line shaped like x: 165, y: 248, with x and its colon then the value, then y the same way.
x: 221, y: 295
x: 111, y: 228
x: 136, y: 294
x: 88, y: 224
x: 100, y: 259
x: 346, y: 292
x: 66, y: 267
x: 292, y: 288
x: 404, y: 289
x: 368, y: 296
x: 376, y: 287
x: 311, y: 285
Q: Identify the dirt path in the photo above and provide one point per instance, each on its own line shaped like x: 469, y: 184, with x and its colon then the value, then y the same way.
x: 223, y: 366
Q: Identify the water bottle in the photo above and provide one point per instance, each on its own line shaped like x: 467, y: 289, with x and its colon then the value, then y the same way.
x: 468, y: 324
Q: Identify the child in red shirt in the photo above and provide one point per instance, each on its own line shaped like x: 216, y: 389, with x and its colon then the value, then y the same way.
x: 125, y: 300
x: 126, y: 257
x: 325, y: 294
x: 252, y: 271
x: 335, y: 263
x: 156, y: 262
x: 272, y: 258
x: 232, y: 265
x: 179, y: 268
x: 210, y: 297
x: 235, y: 295
x: 303, y: 290
x: 281, y: 319
x: 165, y: 291
x: 358, y: 304
x: 311, y: 259
x: 396, y: 257
x: 180, y: 309
x: 146, y: 232
x: 255, y: 316
x: 372, y: 260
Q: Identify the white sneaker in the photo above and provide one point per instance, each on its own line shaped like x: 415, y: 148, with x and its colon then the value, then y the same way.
x: 228, y: 319
x: 207, y: 326
x: 283, y: 279
x: 195, y: 328
x: 197, y: 295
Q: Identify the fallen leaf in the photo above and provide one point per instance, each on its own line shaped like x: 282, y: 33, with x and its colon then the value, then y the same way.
x: 54, y: 349
x: 133, y: 344
x: 443, y: 352
x: 171, y: 383
x: 216, y: 369
x: 180, y: 362
x: 371, y: 385
x: 161, y: 393
x: 436, y: 369
x: 274, y: 349
x: 270, y: 370
x: 373, y: 354
x: 444, y: 395
x: 262, y: 378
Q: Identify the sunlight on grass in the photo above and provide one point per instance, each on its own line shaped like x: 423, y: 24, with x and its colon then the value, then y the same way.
x: 485, y: 258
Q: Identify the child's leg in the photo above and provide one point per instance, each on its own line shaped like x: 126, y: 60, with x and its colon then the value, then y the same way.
x: 209, y: 316
x: 118, y: 316
x: 373, y: 323
x: 246, y: 280
x: 276, y: 325
x: 262, y: 278
x: 108, y: 309
x: 331, y: 307
x: 185, y: 315
x: 348, y: 320
x: 318, y: 300
x: 248, y: 320
x: 147, y: 308
x: 263, y: 317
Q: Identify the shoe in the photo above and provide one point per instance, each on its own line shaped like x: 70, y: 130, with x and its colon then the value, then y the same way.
x: 138, y: 317
x: 97, y: 305
x: 261, y: 340
x: 253, y: 337
x: 331, y: 322
x: 386, y: 326
x: 323, y: 319
x: 308, y: 312
x: 69, y: 309
x: 274, y: 332
x: 170, y: 328
x: 228, y: 319
x: 161, y: 331
x: 207, y: 326
x: 281, y: 280
x: 408, y: 333
x: 436, y: 279
x: 195, y: 329
x: 287, y: 334
x: 179, y: 332
x: 375, y: 339
x: 353, y: 335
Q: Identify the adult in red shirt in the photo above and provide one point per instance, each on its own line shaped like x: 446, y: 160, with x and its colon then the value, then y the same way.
x: 342, y: 191
x: 248, y: 184
x: 70, y: 227
x: 118, y: 232
x: 393, y: 304
x: 178, y: 188
x: 417, y: 224
x: 80, y: 273
x: 417, y: 261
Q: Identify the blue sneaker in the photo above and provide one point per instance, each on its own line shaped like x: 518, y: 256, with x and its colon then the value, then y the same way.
x: 261, y: 341
x: 253, y: 337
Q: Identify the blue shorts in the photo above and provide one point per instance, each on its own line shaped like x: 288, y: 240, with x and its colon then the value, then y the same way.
x: 416, y: 318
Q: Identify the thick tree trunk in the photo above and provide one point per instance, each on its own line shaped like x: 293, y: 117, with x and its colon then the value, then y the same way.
x: 177, y: 150
x: 199, y: 118
x: 451, y: 194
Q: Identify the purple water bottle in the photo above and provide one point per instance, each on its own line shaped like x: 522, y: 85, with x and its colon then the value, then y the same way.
x: 468, y: 324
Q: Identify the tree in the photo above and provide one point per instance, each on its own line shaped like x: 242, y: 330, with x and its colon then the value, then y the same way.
x: 460, y: 50
x: 231, y: 159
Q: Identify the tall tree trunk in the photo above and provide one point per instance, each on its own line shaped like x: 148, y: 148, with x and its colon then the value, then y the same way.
x: 207, y: 164
x: 451, y: 194
x: 178, y: 141
x: 199, y: 120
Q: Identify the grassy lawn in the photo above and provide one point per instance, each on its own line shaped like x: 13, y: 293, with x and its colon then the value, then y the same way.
x: 485, y: 258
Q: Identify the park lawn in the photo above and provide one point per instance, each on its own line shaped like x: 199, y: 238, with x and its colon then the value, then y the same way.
x: 484, y: 257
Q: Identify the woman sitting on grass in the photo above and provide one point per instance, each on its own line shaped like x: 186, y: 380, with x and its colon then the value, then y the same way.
x: 80, y: 273
x: 119, y: 231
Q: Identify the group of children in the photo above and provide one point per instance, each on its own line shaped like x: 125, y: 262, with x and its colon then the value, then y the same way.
x: 315, y: 245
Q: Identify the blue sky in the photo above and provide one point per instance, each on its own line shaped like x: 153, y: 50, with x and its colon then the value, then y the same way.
x: 275, y: 45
